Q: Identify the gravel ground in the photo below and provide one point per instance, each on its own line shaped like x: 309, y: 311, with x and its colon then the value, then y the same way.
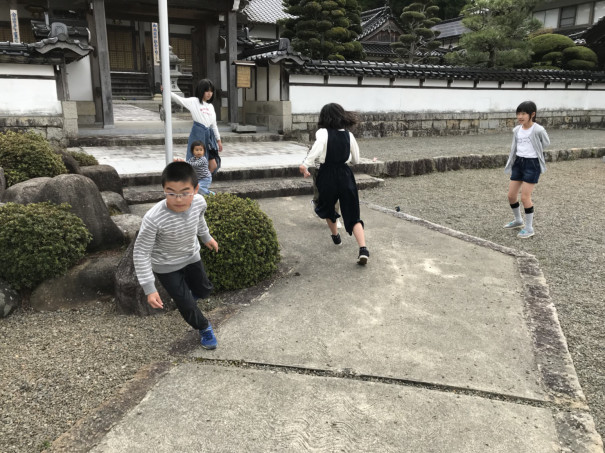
x: 55, y: 368
x: 569, y: 243
x: 409, y: 148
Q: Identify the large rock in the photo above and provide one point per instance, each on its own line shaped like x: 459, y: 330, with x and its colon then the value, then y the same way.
x: 129, y: 224
x: 130, y: 297
x: 105, y: 177
x: 85, y: 200
x: 9, y: 299
x: 83, y: 283
x: 70, y: 162
x: 115, y: 203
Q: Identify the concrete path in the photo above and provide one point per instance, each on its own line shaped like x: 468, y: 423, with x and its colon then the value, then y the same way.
x: 442, y: 343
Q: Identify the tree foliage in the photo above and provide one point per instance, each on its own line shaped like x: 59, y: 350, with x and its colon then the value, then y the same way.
x: 418, y: 40
x: 498, y: 34
x: 324, y: 29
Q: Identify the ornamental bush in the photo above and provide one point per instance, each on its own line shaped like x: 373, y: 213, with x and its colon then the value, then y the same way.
x: 39, y: 241
x: 28, y: 155
x: 83, y: 159
x: 248, y: 247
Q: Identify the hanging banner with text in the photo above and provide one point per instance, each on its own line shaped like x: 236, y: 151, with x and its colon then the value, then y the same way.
x: 15, y: 25
x: 155, y: 39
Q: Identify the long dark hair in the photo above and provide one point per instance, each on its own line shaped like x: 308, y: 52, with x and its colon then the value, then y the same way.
x: 333, y: 116
x: 203, y: 86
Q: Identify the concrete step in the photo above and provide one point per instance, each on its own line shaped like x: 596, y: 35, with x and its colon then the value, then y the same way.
x: 253, y: 188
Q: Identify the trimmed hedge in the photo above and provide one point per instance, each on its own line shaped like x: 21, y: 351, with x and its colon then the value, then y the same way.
x: 248, y: 247
x: 83, y: 159
x: 28, y: 155
x: 39, y: 241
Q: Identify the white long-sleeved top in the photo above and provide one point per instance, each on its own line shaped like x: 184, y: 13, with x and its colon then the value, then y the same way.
x: 167, y: 240
x: 202, y: 113
x: 320, y: 147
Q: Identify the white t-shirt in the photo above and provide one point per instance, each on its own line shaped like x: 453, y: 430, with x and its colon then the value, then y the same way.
x: 201, y: 113
x: 524, y: 146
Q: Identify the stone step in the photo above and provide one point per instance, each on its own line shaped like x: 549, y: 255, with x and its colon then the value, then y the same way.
x: 255, y: 188
x: 148, y: 179
x: 141, y: 139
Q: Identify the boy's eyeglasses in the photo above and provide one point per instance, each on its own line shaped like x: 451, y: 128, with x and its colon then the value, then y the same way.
x: 178, y: 195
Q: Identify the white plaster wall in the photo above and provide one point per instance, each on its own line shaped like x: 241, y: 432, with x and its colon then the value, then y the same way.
x: 27, y: 69
x: 29, y: 97
x: 310, y: 99
x: 263, y: 31
x: 79, y: 82
x: 274, y: 82
x: 261, y: 84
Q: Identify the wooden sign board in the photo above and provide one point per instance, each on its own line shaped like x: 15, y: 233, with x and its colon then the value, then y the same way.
x: 244, y: 76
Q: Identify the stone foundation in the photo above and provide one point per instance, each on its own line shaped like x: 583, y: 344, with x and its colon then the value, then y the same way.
x: 56, y: 129
x: 431, y: 124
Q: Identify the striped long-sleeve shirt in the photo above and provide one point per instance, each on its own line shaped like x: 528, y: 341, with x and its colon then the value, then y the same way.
x: 167, y: 241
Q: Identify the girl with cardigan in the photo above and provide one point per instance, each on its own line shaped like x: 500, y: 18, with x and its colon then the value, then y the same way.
x: 525, y: 164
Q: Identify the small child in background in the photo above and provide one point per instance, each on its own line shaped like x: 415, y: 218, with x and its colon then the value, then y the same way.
x: 199, y: 162
x: 525, y: 164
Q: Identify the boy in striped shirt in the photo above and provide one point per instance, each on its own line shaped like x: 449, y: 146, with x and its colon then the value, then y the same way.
x: 167, y: 246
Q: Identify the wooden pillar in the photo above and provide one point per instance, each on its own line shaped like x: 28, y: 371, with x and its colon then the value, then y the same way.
x: 205, y: 63
x: 101, y: 76
x: 231, y: 57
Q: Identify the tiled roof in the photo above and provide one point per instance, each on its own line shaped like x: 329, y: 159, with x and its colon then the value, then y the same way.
x: 49, y: 51
x: 400, y: 70
x: 265, y: 11
x: 372, y: 20
x: 273, y: 51
x: 450, y: 28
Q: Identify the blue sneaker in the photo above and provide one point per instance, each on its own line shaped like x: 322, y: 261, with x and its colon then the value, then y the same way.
x: 207, y: 338
x: 524, y: 234
x: 515, y: 224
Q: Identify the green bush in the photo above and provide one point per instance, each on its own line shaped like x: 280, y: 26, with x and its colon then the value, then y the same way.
x: 39, y: 241
x: 550, y: 42
x: 579, y: 57
x: 248, y: 247
x: 84, y: 159
x: 28, y: 155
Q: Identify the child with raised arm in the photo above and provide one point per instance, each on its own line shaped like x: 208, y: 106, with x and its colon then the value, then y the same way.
x: 204, y: 127
x: 168, y: 246
x: 334, y: 147
x: 525, y: 164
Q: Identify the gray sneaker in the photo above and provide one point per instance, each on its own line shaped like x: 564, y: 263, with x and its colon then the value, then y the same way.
x: 515, y: 224
x: 524, y: 234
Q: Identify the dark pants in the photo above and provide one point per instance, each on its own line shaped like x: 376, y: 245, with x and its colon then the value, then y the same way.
x: 185, y: 286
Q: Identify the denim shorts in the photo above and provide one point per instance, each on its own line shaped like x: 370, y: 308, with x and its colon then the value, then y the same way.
x: 526, y: 169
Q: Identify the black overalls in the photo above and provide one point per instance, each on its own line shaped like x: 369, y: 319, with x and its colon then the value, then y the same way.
x: 335, y: 181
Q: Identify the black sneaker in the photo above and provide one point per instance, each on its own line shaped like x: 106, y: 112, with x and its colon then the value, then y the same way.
x: 336, y: 239
x: 364, y: 256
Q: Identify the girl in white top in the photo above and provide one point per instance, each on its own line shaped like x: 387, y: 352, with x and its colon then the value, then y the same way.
x: 204, y: 127
x: 334, y: 147
x: 525, y: 164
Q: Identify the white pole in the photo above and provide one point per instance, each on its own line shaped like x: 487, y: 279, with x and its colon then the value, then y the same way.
x: 165, y: 65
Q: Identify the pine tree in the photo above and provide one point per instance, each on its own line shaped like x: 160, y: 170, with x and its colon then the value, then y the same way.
x: 418, y: 41
x: 498, y: 34
x: 324, y: 29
